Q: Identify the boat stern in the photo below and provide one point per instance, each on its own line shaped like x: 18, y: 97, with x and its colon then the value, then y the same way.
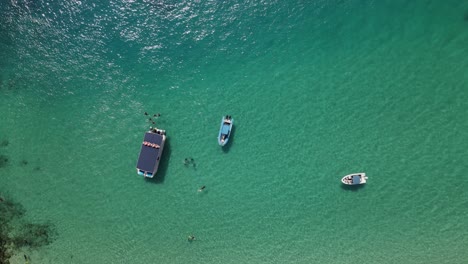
x: 145, y: 174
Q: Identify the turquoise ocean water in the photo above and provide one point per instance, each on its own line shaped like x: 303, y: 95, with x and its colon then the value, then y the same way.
x: 318, y: 90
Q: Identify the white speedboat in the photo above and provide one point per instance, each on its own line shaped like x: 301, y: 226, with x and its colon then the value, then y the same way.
x: 354, y: 179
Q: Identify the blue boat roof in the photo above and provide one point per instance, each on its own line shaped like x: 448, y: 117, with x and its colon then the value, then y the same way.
x: 225, y: 129
x: 148, y: 158
x: 356, y: 179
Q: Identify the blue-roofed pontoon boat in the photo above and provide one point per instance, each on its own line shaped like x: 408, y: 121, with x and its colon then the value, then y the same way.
x: 225, y: 130
x: 354, y: 179
x: 150, y: 153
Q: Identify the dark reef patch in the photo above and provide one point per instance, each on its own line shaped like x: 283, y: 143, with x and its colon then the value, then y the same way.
x: 12, y: 85
x: 10, y: 211
x: 5, y: 252
x: 3, y: 160
x: 4, y: 143
x: 24, y: 162
x: 16, y: 233
x: 34, y: 236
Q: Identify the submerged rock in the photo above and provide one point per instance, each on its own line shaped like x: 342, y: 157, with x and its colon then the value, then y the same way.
x: 4, y: 143
x: 3, y: 161
x: 16, y: 233
x: 5, y: 251
x: 10, y: 211
x: 34, y: 235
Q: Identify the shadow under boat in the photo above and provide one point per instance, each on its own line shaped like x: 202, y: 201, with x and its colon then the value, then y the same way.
x: 352, y: 187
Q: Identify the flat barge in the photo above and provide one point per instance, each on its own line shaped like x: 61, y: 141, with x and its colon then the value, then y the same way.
x: 151, y: 152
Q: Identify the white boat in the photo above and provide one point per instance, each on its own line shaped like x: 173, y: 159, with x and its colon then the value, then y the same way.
x: 354, y: 179
x: 225, y: 130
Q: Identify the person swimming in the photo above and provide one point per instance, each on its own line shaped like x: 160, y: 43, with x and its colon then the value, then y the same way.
x: 202, y: 188
x: 191, y: 238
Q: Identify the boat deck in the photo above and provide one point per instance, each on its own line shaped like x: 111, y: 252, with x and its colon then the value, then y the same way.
x: 151, y: 150
x: 225, y: 129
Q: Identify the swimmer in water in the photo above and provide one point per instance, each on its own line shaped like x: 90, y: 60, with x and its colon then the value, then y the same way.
x: 202, y: 188
x: 191, y: 238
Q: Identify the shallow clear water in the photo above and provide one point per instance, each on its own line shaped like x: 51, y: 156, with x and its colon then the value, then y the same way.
x: 318, y: 90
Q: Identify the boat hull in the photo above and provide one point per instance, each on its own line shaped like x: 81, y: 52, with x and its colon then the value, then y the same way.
x: 225, y: 131
x: 354, y: 179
